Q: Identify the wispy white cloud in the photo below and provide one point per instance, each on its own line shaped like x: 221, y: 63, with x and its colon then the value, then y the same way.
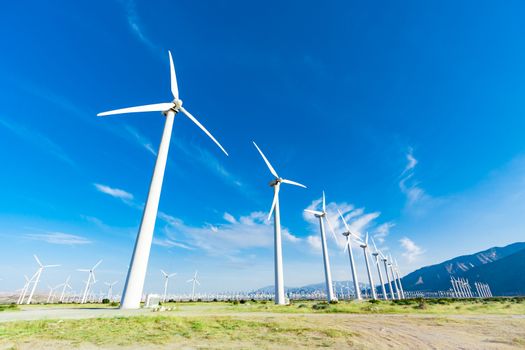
x: 169, y: 243
x: 382, y: 231
x: 135, y: 24
x: 142, y: 140
x: 411, y: 250
x: 114, y: 192
x: 39, y: 140
x: 408, y: 185
x: 59, y: 238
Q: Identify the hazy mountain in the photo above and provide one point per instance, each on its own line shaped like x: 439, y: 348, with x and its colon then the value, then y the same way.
x: 310, y: 288
x: 501, y: 267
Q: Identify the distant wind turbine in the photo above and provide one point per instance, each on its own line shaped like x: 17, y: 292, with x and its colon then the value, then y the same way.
x: 385, y: 262
x: 394, y: 279
x: 139, y: 261
x: 326, y: 259
x: 193, y: 281
x: 375, y: 253
x: 364, y: 245
x: 110, y: 288
x: 278, y: 254
x: 399, y: 280
x: 348, y: 246
x: 65, y: 286
x: 37, y: 277
x: 91, y: 280
x: 166, y: 280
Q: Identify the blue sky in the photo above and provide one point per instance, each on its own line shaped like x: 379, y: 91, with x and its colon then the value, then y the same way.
x: 409, y: 116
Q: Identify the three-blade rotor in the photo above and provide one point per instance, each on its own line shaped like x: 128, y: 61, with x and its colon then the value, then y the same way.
x: 323, y: 214
x: 175, y: 106
x: 276, y: 182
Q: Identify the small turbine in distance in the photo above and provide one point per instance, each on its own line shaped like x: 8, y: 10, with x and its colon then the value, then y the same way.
x: 278, y: 253
x: 193, y: 280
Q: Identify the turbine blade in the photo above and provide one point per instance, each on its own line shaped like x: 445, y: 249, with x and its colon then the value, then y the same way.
x: 366, y: 238
x: 332, y: 230
x: 272, y: 170
x: 96, y: 265
x: 157, y: 107
x: 374, y: 244
x: 38, y: 260
x: 83, y: 270
x: 173, y: 274
x: 173, y: 79
x: 315, y: 212
x: 51, y: 266
x: 347, y: 244
x: 324, y: 203
x: 344, y: 221
x: 290, y: 182
x: 188, y: 281
x: 193, y: 119
x: 164, y: 273
x: 274, y: 202
x: 197, y: 282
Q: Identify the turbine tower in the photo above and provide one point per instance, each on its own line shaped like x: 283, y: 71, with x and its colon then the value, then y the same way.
x: 327, y: 272
x: 166, y: 279
x: 396, y: 287
x: 348, y: 246
x: 364, y: 245
x: 385, y: 263
x: 193, y: 280
x: 37, y: 275
x: 65, y: 285
x: 110, y: 289
x: 399, y: 280
x: 139, y: 262
x: 91, y: 280
x: 278, y: 253
x: 375, y: 254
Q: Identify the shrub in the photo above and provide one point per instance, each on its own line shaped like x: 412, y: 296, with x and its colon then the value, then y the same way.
x: 105, y: 301
x: 113, y: 303
x: 372, y: 301
x: 301, y: 306
x: 242, y: 301
x: 320, y: 306
x: 263, y: 301
x: 214, y: 300
x: 236, y: 302
x: 422, y: 304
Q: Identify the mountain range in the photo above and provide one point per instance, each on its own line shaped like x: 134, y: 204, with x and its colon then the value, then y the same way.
x: 501, y: 267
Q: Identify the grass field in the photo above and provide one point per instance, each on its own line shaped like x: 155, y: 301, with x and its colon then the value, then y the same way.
x: 418, y: 324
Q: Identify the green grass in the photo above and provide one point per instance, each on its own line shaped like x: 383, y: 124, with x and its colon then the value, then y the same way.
x: 165, y: 329
x: 8, y: 307
x: 502, y: 306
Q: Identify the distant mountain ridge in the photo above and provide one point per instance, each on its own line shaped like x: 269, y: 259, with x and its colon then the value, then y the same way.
x: 501, y: 267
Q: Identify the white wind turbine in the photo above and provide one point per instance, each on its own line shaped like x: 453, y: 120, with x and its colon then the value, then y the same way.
x: 166, y: 280
x: 65, y: 286
x: 110, y: 288
x: 396, y: 287
x: 51, y: 296
x: 91, y: 280
x: 193, y: 280
x: 348, y: 247
x: 278, y: 254
x: 139, y: 261
x: 364, y: 245
x: 375, y: 253
x: 399, y: 280
x: 327, y: 272
x: 385, y: 262
x: 23, y: 291
x: 37, y: 275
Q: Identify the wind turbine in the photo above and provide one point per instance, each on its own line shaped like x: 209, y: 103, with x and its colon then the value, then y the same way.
x: 399, y: 280
x: 375, y: 253
x: 166, y: 279
x: 51, y: 295
x: 91, y: 279
x: 23, y: 291
x: 348, y: 247
x: 65, y: 285
x: 396, y: 287
x: 37, y: 275
x: 193, y: 280
x: 278, y: 253
x: 327, y: 272
x: 110, y: 288
x: 139, y: 261
x: 385, y: 262
x: 364, y: 245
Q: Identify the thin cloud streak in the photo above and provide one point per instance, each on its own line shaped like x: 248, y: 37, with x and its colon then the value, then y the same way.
x: 59, y: 238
